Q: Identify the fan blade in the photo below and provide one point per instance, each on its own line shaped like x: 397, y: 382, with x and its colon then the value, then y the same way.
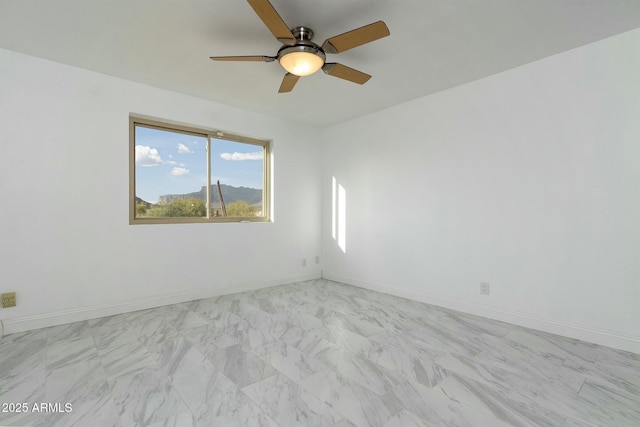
x: 343, y: 72
x: 244, y: 58
x: 273, y: 21
x: 288, y: 82
x: 355, y: 38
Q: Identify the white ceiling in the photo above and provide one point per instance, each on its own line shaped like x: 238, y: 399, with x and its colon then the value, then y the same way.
x: 434, y: 45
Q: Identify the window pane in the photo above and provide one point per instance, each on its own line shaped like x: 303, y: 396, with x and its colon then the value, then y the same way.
x: 239, y: 168
x: 170, y: 174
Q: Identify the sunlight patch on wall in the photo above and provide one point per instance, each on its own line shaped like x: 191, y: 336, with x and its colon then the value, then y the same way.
x: 333, y: 208
x: 339, y: 214
x: 342, y: 218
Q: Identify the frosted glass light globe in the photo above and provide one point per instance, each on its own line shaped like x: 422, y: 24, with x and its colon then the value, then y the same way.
x: 301, y: 63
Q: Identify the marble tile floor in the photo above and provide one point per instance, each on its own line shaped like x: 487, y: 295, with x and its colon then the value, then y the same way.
x: 314, y: 353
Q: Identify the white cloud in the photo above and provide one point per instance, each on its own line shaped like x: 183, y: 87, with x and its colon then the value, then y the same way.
x: 257, y: 155
x: 174, y: 163
x: 179, y: 171
x: 147, y: 156
x: 183, y: 149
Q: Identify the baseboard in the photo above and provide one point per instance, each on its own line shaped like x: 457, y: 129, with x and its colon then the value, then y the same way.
x: 45, y: 320
x: 528, y: 320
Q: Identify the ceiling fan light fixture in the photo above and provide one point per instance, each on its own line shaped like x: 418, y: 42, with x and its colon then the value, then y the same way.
x: 301, y: 60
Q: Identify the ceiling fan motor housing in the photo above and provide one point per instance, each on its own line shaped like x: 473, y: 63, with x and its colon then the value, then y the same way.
x: 303, y: 37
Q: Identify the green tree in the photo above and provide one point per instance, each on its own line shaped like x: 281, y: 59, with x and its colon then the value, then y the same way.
x: 192, y: 207
x: 240, y: 208
x: 141, y: 209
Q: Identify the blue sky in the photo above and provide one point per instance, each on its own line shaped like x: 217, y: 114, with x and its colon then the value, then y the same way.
x: 175, y: 163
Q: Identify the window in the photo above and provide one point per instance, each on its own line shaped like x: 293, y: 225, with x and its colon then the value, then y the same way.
x: 181, y: 174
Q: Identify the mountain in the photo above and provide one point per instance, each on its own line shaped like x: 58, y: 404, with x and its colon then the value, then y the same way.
x: 229, y: 194
x: 145, y: 203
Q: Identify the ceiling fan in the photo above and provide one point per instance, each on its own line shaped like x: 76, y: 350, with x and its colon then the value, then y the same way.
x: 300, y: 57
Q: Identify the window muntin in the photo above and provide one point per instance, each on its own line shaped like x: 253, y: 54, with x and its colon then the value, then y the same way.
x: 178, y: 172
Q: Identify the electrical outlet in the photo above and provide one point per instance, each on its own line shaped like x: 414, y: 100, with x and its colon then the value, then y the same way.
x: 304, y: 262
x: 9, y: 300
x: 484, y: 288
x: 317, y: 259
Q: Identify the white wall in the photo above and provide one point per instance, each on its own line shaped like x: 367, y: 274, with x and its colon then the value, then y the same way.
x: 529, y: 179
x: 66, y: 246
